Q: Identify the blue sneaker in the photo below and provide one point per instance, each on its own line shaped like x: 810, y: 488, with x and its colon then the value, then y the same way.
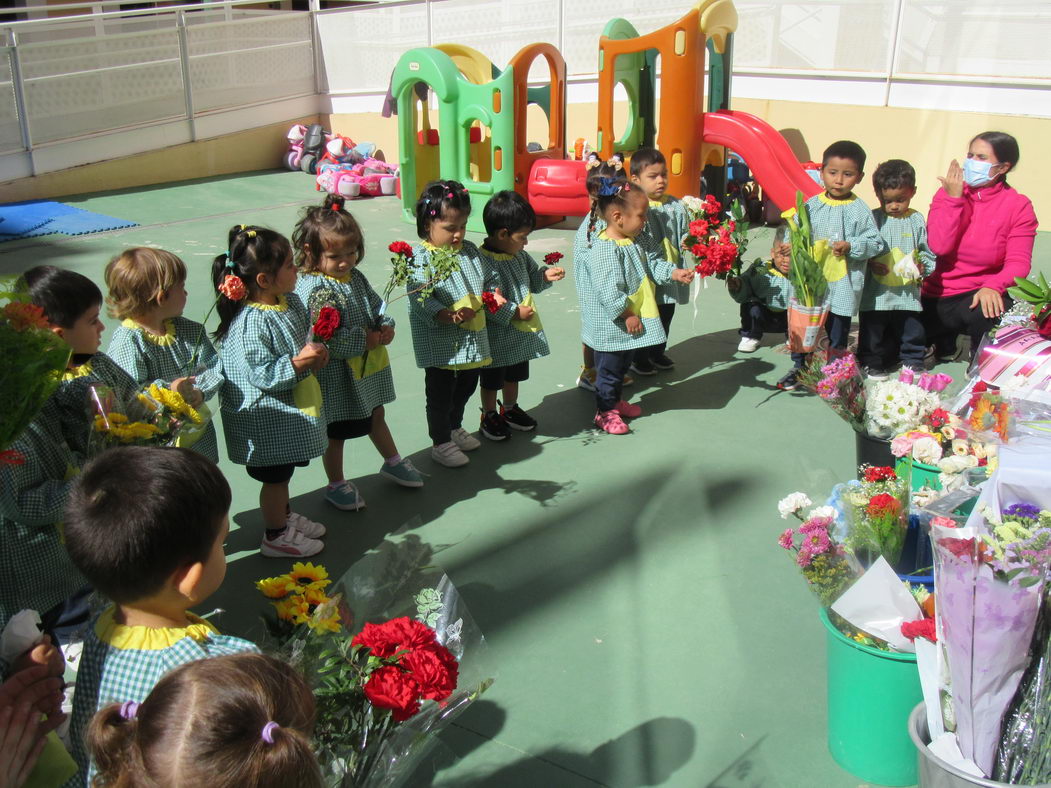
x: 345, y: 497
x: 403, y: 473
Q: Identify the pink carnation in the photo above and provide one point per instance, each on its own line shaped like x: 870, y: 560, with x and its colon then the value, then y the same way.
x: 804, y: 557
x: 906, y: 375
x: 785, y: 539
x: 901, y: 446
x: 943, y: 522
x: 817, y: 542
x: 815, y: 525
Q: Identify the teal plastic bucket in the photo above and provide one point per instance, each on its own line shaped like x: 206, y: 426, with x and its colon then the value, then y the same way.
x: 870, y: 696
x: 922, y: 475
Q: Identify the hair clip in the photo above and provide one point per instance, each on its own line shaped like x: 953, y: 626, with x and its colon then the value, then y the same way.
x: 593, y: 161
x: 336, y: 207
x: 229, y: 261
x: 128, y: 709
x: 448, y: 195
x: 608, y: 187
x: 250, y: 233
x: 616, y: 163
x: 243, y: 227
x: 267, y: 733
x: 433, y: 212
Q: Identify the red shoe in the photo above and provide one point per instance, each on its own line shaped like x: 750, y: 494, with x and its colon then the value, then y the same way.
x: 627, y: 410
x: 609, y: 420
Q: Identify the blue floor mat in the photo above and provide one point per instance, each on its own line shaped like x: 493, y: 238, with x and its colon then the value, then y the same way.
x: 43, y: 217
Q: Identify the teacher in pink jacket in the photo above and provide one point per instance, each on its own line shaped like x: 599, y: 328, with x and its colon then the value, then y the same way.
x: 982, y: 231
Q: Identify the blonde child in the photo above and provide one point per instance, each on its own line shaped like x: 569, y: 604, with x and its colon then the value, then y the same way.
x: 845, y: 222
x: 329, y: 246
x: 667, y: 224
x: 259, y: 710
x: 271, y: 401
x: 617, y: 291
x: 154, y: 343
x: 448, y: 324
x: 146, y: 526
x: 508, y: 221
x: 890, y: 330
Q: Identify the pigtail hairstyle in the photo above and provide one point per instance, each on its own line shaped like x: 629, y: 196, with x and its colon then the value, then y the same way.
x: 225, y: 722
x: 606, y: 185
x: 436, y: 199
x: 250, y: 251
x: 318, y: 223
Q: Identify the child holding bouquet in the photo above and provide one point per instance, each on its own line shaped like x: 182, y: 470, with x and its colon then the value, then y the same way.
x: 667, y: 223
x: 845, y: 224
x: 508, y: 221
x: 891, y: 328
x: 154, y: 343
x: 271, y: 401
x: 763, y: 290
x: 329, y: 246
x: 447, y: 317
x: 617, y: 291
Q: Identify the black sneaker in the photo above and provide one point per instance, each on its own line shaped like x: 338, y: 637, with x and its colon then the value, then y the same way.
x: 642, y: 366
x: 517, y: 419
x: 662, y: 362
x: 788, y: 382
x: 494, y: 427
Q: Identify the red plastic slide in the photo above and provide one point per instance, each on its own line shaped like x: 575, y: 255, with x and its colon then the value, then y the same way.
x: 768, y: 155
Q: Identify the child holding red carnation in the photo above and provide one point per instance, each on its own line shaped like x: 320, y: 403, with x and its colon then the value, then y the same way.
x: 508, y: 221
x: 329, y: 246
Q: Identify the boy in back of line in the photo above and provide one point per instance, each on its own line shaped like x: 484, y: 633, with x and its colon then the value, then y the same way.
x: 763, y: 290
x: 146, y: 527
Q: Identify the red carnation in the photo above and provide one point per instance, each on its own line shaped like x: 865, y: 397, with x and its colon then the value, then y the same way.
x: 924, y: 628
x: 326, y: 324
x: 551, y: 258
x: 401, y: 248
x: 489, y: 302
x: 22, y: 316
x: 699, y: 228
x: 880, y: 473
x: 434, y: 669
x: 398, y: 634
x: 1044, y: 328
x: 390, y: 688
x: 233, y: 287
x: 939, y: 418
x: 882, y: 505
x: 961, y: 548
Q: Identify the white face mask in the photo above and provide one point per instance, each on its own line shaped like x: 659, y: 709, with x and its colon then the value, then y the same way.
x: 976, y: 172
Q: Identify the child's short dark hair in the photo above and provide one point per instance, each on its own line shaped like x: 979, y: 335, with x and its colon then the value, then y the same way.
x: 845, y: 149
x: 508, y: 210
x: 893, y: 174
x: 235, y: 720
x: 138, y: 513
x: 437, y: 198
x: 63, y: 295
x: 645, y: 157
x: 330, y: 220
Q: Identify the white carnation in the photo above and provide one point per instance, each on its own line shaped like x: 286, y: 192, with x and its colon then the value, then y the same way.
x: 824, y: 511
x: 927, y: 451
x: 791, y: 504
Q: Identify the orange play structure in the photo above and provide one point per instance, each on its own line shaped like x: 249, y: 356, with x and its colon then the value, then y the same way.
x: 472, y: 99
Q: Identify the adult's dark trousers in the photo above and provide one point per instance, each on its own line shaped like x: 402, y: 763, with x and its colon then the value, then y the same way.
x: 947, y: 317
x: 448, y: 391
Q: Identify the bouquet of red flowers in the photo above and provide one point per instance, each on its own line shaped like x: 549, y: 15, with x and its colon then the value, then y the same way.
x: 717, y: 244
x: 325, y: 324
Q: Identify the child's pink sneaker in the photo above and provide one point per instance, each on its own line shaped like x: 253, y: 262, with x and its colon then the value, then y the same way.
x: 609, y: 420
x: 627, y: 410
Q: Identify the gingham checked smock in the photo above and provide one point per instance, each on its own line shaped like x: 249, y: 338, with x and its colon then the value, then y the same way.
x: 519, y: 278
x: 846, y: 220
x: 901, y: 236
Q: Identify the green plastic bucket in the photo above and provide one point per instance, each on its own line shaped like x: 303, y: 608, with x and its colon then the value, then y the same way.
x: 870, y: 696
x: 923, y: 475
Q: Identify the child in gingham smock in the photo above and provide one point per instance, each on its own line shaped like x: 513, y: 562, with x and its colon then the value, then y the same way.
x: 271, y: 401
x: 617, y: 290
x: 667, y: 224
x: 508, y: 221
x: 357, y: 382
x: 845, y: 222
x: 448, y: 326
x: 146, y: 526
x: 154, y: 343
x: 890, y: 328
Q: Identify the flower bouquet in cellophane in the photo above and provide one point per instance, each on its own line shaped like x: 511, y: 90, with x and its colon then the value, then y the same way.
x: 878, y: 514
x: 716, y: 243
x: 34, y: 359
x: 808, y: 307
x: 157, y: 416
x: 391, y: 652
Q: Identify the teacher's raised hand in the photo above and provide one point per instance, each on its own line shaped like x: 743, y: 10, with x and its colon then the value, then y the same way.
x: 953, y: 180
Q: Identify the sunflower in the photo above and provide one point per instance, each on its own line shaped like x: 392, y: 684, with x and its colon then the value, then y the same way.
x: 306, y: 575
x: 174, y: 402
x: 326, y: 616
x: 276, y: 587
x: 291, y: 608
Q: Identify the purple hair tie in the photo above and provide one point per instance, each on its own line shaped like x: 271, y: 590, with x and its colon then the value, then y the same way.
x: 128, y: 709
x: 268, y: 731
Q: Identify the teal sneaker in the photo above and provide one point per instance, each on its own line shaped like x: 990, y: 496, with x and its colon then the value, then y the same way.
x: 345, y: 497
x: 404, y: 473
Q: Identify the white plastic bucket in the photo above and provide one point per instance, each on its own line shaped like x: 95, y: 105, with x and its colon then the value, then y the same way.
x: 387, y: 184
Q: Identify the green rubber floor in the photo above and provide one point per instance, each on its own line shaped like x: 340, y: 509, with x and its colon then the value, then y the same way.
x: 644, y: 626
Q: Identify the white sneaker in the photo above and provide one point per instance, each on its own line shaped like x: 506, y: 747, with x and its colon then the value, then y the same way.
x: 308, y: 528
x: 449, y: 455
x: 291, y: 543
x: 464, y: 440
x: 586, y: 378
x: 747, y: 345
